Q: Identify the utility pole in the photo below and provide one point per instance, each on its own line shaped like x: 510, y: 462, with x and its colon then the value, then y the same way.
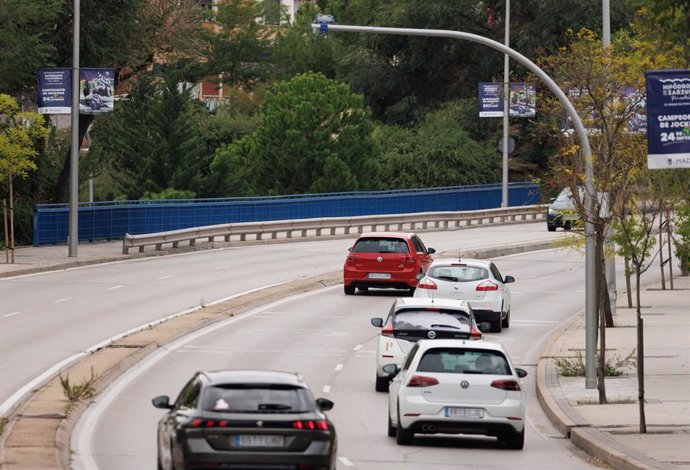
x: 74, y: 150
x: 506, y: 106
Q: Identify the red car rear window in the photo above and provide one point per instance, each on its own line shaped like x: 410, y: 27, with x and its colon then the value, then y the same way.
x: 381, y: 245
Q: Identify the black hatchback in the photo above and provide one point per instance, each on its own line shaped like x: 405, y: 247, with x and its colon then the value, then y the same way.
x: 246, y: 419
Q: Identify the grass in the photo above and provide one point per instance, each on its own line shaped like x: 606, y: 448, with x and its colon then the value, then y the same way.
x: 3, y: 422
x: 77, y: 392
x: 614, y: 365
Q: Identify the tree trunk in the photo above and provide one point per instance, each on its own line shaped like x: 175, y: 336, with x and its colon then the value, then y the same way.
x: 628, y: 287
x: 640, y: 358
x: 62, y: 188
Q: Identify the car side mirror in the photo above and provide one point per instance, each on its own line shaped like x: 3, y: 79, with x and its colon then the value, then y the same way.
x: 431, y: 251
x: 508, y: 279
x: 324, y: 404
x: 552, y: 199
x: 162, y: 401
x: 521, y: 372
x: 391, y: 370
x: 377, y: 322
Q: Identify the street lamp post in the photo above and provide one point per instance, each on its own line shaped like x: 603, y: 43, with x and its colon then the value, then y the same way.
x: 506, y: 107
x: 74, y: 150
x: 586, y: 153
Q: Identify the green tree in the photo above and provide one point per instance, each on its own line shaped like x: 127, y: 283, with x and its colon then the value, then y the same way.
x: 20, y: 136
x: 151, y: 141
x: 314, y: 135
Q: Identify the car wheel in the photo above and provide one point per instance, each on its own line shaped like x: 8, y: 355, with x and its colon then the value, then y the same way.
x: 382, y: 384
x: 515, y: 440
x: 567, y: 226
x: 551, y: 228
x: 392, y: 430
x: 349, y: 290
x: 506, y: 321
x: 403, y: 436
x: 496, y: 326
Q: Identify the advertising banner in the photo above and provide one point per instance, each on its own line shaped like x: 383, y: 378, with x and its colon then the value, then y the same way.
x: 522, y: 100
x: 96, y: 87
x: 54, y: 91
x: 668, y: 119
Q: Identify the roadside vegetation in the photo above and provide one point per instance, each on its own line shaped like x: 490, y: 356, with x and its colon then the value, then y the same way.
x: 77, y: 392
x: 614, y: 365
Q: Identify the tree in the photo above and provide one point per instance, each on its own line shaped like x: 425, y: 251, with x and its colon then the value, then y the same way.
x: 314, y: 135
x: 605, y: 86
x: 20, y: 135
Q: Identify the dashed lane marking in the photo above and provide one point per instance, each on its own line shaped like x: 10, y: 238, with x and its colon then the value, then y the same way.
x: 58, y: 301
x: 339, y: 367
x: 326, y: 389
x: 11, y: 314
x: 345, y: 461
x: 165, y: 277
x: 114, y: 287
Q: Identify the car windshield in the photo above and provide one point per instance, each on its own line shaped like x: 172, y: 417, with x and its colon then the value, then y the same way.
x: 458, y: 273
x: 425, y: 320
x: 464, y: 361
x: 261, y: 398
x: 381, y: 245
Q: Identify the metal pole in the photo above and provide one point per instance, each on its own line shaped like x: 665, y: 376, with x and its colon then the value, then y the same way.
x: 506, y: 107
x: 586, y: 154
x: 74, y: 150
x: 606, y: 21
x: 90, y: 188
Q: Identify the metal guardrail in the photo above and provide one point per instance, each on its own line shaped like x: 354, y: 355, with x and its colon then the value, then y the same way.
x: 336, y: 225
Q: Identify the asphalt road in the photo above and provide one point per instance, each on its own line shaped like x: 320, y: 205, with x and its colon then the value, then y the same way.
x: 328, y: 338
x: 51, y: 318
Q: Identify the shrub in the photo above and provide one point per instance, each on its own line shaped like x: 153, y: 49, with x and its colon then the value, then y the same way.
x: 614, y: 365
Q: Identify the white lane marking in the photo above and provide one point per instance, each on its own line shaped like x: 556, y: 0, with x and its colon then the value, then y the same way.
x: 258, y: 351
x: 346, y: 462
x: 58, y: 301
x: 166, y: 277
x: 10, y: 314
x: 222, y: 267
x: 326, y: 389
x: 114, y: 287
x: 339, y: 367
x: 358, y: 347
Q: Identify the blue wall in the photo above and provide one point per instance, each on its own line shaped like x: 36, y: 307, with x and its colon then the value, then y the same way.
x: 112, y: 220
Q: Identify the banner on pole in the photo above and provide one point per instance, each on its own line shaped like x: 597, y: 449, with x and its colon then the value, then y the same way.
x: 523, y: 100
x: 668, y: 119
x: 54, y: 91
x: 96, y: 87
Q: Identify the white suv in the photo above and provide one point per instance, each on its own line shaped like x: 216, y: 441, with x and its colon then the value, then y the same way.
x: 457, y: 387
x: 412, y: 319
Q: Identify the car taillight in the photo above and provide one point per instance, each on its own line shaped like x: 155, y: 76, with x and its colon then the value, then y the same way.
x: 510, y: 385
x: 426, y: 284
x: 475, y: 333
x: 350, y: 260
x: 196, y: 423
x: 409, y: 260
x: 311, y: 425
x: 487, y: 286
x: 387, y: 331
x: 421, y: 381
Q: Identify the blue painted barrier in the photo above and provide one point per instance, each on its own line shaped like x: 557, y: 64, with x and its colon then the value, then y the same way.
x: 112, y: 220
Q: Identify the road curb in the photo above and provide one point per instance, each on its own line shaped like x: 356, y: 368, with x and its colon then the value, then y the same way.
x: 40, y: 429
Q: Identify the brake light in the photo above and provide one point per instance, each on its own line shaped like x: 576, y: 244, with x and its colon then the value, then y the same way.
x: 409, y: 260
x: 196, y: 423
x: 487, y: 286
x: 475, y: 333
x: 509, y: 385
x: 421, y: 381
x: 427, y: 284
x: 350, y: 260
x: 311, y: 425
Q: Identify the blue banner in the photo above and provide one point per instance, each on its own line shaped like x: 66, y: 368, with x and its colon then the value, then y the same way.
x: 522, y: 100
x: 54, y: 91
x: 668, y: 119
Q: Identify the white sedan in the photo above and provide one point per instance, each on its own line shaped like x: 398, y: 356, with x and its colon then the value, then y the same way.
x: 479, y: 282
x: 457, y: 387
x: 412, y: 319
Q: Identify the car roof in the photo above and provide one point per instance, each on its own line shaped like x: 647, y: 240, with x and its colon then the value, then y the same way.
x: 438, y: 302
x: 217, y: 377
x: 405, y: 235
x: 426, y: 344
x: 469, y: 261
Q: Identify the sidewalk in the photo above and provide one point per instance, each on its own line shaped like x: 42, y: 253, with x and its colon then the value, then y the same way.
x: 609, y: 432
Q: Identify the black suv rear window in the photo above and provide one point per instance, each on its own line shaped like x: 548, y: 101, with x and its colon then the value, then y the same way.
x: 381, y: 245
x: 269, y: 399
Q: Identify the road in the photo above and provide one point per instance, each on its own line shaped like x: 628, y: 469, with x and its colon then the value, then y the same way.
x: 327, y: 336
x: 50, y: 319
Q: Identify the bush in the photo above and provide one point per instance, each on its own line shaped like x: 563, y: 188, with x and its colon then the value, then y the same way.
x: 614, y: 365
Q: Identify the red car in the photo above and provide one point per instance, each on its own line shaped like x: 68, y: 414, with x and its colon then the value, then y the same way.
x: 385, y: 260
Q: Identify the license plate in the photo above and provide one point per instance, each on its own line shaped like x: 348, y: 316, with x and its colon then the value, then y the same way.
x: 452, y: 412
x: 251, y: 440
x: 379, y: 275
